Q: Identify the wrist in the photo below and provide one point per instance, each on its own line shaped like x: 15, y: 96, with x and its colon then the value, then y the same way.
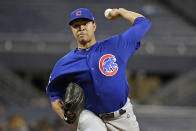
x: 122, y: 11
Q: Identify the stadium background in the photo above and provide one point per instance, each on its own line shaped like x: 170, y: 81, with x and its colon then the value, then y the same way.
x: 34, y: 34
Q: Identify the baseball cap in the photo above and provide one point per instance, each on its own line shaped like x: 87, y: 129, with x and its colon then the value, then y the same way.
x: 81, y: 13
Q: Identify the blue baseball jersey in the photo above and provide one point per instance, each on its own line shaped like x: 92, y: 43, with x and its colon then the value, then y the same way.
x: 99, y: 70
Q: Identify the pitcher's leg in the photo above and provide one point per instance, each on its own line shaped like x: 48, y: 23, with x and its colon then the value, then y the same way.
x: 88, y: 121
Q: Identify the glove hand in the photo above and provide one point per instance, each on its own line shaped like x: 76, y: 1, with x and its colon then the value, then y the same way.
x: 69, y: 117
x: 74, y: 102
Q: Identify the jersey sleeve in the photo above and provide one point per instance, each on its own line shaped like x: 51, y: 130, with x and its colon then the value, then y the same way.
x: 129, y: 41
x: 56, y: 89
x: 58, y: 81
x: 62, y: 75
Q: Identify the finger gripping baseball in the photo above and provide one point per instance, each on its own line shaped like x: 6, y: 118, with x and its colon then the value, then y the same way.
x: 74, y: 102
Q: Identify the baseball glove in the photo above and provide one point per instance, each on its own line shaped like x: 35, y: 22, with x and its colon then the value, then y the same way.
x: 74, y: 102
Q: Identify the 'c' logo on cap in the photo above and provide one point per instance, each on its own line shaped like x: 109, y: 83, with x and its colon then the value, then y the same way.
x: 78, y: 13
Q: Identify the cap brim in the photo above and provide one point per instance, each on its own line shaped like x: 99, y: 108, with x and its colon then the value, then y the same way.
x: 78, y: 19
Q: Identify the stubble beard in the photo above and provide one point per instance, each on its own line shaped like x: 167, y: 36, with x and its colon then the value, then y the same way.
x: 84, y: 42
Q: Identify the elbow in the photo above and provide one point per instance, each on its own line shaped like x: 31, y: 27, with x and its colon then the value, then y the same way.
x: 147, y: 25
x: 144, y: 22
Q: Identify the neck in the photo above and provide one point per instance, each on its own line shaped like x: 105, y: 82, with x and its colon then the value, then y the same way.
x: 86, y: 45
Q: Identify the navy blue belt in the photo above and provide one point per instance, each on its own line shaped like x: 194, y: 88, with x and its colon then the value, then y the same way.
x: 106, y: 116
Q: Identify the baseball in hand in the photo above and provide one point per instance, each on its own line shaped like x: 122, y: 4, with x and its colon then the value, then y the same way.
x: 107, y: 13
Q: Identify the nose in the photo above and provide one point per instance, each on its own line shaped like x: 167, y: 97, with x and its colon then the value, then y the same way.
x: 82, y: 27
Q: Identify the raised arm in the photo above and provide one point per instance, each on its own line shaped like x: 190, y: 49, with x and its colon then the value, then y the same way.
x: 126, y: 14
x: 129, y: 41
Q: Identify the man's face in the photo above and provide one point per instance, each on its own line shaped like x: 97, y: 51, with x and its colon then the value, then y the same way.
x: 83, y: 30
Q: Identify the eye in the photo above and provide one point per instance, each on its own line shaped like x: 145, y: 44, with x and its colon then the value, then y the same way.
x: 75, y: 25
x: 85, y: 23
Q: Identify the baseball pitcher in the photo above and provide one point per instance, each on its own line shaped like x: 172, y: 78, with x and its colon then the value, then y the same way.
x: 89, y: 83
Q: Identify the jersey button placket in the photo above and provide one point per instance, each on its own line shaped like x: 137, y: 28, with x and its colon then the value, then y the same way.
x: 92, y: 71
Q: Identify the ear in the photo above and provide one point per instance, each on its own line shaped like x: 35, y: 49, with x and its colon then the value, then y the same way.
x: 71, y: 27
x: 95, y: 26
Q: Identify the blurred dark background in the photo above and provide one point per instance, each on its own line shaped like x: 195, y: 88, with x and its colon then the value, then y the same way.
x: 34, y: 34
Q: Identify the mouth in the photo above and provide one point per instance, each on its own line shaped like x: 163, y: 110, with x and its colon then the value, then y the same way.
x: 81, y: 34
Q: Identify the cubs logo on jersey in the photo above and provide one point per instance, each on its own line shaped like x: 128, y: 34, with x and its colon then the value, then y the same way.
x: 108, y: 65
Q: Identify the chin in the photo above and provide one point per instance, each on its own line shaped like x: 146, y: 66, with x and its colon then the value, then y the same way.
x: 83, y: 42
